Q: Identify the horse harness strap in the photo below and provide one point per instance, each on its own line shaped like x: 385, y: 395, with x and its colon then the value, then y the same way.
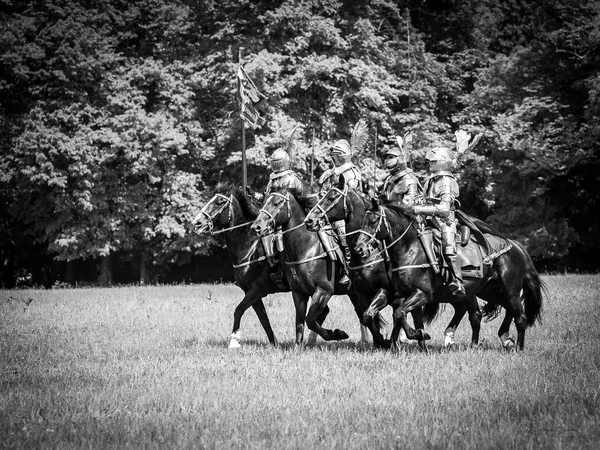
x: 372, y: 263
x: 231, y: 228
x: 302, y: 261
x: 414, y: 266
x: 488, y: 259
x: 247, y: 263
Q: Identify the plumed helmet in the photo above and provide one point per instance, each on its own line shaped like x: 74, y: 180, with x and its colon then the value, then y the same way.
x: 443, y: 156
x: 393, y: 159
x: 341, y: 152
x: 280, y: 160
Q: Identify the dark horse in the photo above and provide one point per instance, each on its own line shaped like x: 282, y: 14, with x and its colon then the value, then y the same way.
x: 372, y: 276
x: 232, y: 215
x: 311, y: 273
x: 507, y: 276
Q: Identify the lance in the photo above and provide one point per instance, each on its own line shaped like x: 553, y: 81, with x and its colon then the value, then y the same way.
x: 312, y: 157
x: 243, y: 125
x: 375, y: 159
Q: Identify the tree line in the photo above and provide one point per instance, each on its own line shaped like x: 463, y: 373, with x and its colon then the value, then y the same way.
x: 119, y: 119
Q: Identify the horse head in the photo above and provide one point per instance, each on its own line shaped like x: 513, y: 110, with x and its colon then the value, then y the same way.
x: 375, y: 228
x: 216, y: 212
x: 330, y: 208
x: 274, y: 213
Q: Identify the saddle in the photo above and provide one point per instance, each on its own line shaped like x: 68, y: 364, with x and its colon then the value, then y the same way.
x: 470, y: 256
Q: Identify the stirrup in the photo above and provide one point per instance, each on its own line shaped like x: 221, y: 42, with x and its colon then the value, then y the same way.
x: 344, y: 279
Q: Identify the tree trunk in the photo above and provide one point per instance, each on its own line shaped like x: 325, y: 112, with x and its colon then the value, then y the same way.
x: 106, y: 272
x: 70, y: 273
x: 144, y: 273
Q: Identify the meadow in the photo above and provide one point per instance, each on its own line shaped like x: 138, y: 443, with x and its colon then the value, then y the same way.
x: 149, y: 367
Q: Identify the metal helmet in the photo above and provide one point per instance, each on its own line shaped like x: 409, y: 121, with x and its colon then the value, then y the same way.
x: 280, y: 160
x: 442, y: 156
x: 341, y: 152
x: 394, y: 159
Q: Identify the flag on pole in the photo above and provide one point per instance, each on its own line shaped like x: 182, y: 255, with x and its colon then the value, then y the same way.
x: 250, y: 100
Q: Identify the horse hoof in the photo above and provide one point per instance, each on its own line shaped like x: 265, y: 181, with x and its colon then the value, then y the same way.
x: 423, y: 335
x: 234, y: 344
x: 339, y: 335
x: 452, y: 347
x: 509, y: 344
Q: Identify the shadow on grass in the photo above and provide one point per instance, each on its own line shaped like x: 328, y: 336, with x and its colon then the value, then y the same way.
x: 336, y: 346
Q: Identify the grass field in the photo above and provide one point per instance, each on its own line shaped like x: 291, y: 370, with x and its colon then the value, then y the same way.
x: 149, y: 367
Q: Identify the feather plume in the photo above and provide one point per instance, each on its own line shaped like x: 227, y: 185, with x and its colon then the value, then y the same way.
x: 462, y: 141
x: 360, y: 136
x: 290, y: 140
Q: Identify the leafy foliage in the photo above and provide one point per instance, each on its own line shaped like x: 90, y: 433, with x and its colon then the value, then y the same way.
x: 119, y: 118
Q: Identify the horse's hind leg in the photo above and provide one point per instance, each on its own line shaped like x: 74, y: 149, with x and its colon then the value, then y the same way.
x: 460, y: 309
x: 506, y: 341
x: 261, y: 312
x: 475, y: 319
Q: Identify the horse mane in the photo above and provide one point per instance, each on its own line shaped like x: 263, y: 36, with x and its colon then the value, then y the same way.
x: 249, y: 205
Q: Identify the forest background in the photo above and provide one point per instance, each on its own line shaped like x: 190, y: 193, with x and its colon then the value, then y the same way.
x: 119, y: 118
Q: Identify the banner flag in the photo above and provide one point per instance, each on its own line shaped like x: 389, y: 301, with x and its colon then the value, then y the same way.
x: 251, y: 100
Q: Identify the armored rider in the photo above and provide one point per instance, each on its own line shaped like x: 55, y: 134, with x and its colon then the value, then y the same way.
x: 341, y: 155
x: 402, y: 186
x: 282, y: 178
x: 441, y: 195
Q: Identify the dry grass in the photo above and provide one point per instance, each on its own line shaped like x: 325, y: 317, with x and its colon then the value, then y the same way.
x: 149, y: 367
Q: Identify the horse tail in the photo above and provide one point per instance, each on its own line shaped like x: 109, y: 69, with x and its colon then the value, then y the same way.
x: 490, y: 311
x: 431, y: 311
x: 534, y: 289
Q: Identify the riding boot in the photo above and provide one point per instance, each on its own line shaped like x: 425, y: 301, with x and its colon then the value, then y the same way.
x: 426, y: 239
x: 278, y: 278
x: 456, y: 286
x: 345, y: 278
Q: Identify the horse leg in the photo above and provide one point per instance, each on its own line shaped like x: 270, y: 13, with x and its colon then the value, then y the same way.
x: 415, y: 300
x: 460, y: 309
x: 300, y: 302
x: 261, y: 312
x: 250, y: 298
x: 312, y: 335
x: 507, y: 342
x: 475, y: 319
x: 379, y: 301
x: 319, y: 301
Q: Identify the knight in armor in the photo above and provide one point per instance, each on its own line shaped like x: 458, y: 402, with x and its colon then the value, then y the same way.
x: 441, y: 195
x: 282, y: 178
x: 402, y: 186
x: 341, y: 155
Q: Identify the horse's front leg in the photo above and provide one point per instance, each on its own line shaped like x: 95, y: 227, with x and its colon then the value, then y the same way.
x: 319, y: 301
x: 261, y: 312
x: 250, y: 299
x: 417, y: 299
x: 300, y: 302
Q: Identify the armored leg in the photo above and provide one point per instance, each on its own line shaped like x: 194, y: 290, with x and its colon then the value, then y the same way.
x: 426, y: 239
x: 456, y: 286
x: 340, y: 228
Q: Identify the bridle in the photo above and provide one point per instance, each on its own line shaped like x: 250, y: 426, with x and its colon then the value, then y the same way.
x: 322, y: 212
x: 271, y: 216
x: 383, y: 221
x: 211, y: 218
